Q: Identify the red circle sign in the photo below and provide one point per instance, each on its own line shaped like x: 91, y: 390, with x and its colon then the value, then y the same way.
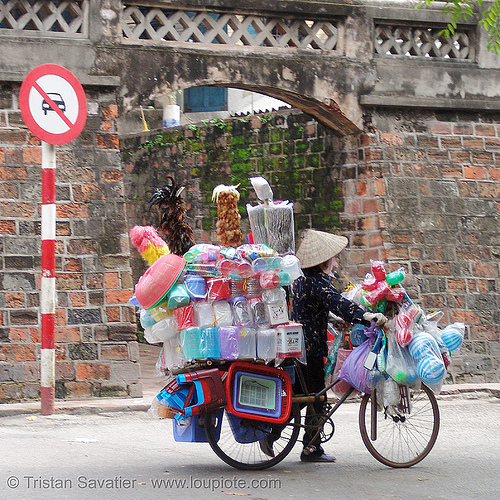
x: 53, y: 104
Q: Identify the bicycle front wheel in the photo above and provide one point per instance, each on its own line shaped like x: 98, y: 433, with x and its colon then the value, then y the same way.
x: 404, y: 435
x: 238, y: 441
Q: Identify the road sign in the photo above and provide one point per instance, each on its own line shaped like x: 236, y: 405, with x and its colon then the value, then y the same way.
x: 53, y: 104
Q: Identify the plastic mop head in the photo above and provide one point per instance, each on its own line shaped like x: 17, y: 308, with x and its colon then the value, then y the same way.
x: 148, y: 242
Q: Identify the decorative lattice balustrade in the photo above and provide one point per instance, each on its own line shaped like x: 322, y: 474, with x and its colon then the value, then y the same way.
x: 154, y: 23
x: 66, y: 18
x: 412, y: 41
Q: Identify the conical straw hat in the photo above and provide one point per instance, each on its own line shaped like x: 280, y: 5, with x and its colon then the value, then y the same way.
x: 317, y: 247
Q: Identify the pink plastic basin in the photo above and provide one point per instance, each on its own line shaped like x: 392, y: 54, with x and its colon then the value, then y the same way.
x: 158, y: 279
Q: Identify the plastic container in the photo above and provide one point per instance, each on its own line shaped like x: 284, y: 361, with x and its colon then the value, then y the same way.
x: 242, y: 315
x: 210, y: 347
x: 222, y: 313
x: 191, y: 343
x: 267, y: 343
x: 291, y: 265
x: 244, y: 433
x: 218, y: 288
x: 173, y: 355
x: 178, y: 296
x: 196, y: 286
x: 247, y: 343
x: 158, y: 279
x: 277, y: 312
x: 206, y: 389
x: 185, y: 317
x: 229, y: 342
x: 269, y: 279
x: 193, y: 430
x: 203, y: 314
x: 165, y: 329
x: 290, y: 341
x: 146, y: 319
x: 257, y: 392
x: 260, y: 316
x: 160, y: 311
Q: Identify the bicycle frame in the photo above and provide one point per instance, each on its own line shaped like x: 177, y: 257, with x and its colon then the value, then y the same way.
x: 309, y: 398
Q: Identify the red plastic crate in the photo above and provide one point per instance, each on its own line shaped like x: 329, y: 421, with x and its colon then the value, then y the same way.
x: 266, y: 371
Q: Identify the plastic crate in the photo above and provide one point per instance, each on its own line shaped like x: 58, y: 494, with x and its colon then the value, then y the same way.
x: 209, y: 394
x: 258, y: 392
x: 247, y: 431
x: 195, y: 431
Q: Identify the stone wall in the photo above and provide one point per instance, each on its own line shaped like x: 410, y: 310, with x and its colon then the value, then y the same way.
x: 95, y: 335
x: 422, y: 191
x: 299, y: 157
x: 418, y: 190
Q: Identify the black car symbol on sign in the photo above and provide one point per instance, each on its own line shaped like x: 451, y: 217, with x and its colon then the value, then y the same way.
x: 58, y: 100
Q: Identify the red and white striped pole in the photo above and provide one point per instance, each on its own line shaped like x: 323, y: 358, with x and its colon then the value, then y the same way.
x: 48, y: 285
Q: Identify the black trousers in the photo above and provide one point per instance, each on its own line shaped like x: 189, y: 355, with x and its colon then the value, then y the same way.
x: 314, y: 375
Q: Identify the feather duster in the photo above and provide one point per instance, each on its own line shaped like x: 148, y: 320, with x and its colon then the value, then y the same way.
x: 228, y: 223
x: 171, y: 217
x: 148, y: 242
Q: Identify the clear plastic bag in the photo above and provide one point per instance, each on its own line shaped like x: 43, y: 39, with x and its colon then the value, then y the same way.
x: 400, y: 366
x: 267, y: 343
x: 331, y: 358
x: 222, y: 313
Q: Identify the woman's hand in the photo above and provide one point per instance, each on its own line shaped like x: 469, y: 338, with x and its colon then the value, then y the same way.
x: 378, y: 318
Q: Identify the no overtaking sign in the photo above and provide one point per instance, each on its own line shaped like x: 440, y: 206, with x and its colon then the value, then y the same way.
x: 53, y: 104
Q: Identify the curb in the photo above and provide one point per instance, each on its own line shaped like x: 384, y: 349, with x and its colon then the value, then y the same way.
x: 98, y: 406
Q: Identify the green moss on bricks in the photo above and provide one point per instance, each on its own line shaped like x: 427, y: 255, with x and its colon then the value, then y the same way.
x: 201, y: 156
x: 112, y: 391
x: 207, y: 223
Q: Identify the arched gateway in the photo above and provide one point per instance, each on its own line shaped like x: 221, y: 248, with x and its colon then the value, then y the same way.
x: 408, y: 131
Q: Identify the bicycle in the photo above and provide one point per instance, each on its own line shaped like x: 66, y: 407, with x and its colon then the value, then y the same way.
x: 399, y: 436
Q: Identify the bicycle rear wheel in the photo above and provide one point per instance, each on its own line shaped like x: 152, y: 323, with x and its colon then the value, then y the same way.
x: 229, y: 447
x: 399, y: 437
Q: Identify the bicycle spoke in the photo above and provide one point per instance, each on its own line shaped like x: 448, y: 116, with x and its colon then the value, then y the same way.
x: 403, y: 438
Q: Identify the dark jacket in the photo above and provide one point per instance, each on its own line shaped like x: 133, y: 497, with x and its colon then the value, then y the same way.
x: 314, y: 295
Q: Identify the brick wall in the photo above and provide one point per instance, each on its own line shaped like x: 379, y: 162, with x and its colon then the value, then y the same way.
x: 422, y: 192
x: 417, y: 190
x: 95, y: 334
x: 300, y: 158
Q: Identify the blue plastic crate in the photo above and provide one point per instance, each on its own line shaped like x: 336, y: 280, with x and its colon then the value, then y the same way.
x: 195, y: 432
x: 257, y: 394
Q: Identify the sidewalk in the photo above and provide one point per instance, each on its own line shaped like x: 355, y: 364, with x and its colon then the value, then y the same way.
x: 152, y: 384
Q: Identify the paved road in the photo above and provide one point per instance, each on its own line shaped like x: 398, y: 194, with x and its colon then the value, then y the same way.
x: 126, y: 455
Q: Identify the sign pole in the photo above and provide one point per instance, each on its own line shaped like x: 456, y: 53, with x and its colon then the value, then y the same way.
x: 54, y: 107
x: 48, y: 286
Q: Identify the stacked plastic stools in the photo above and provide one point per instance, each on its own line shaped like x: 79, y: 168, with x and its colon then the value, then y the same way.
x: 193, y: 395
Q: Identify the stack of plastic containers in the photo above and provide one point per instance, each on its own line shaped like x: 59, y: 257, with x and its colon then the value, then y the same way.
x: 221, y: 303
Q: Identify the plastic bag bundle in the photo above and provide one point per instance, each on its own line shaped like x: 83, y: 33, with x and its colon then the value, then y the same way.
x: 273, y: 225
x: 430, y: 365
x: 453, y: 336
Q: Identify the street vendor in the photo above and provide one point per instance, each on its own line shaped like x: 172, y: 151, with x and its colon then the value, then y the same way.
x: 314, y: 297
